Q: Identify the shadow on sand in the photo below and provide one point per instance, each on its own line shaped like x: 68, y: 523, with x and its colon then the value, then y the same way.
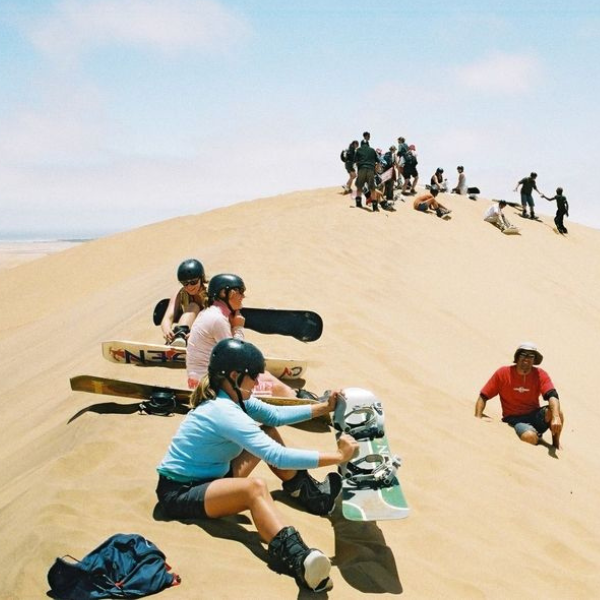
x: 115, y: 408
x: 365, y: 561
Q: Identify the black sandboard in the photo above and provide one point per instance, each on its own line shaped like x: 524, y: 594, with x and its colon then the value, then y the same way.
x: 304, y: 325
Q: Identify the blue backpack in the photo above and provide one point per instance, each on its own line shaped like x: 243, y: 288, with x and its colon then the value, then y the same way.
x: 124, y: 566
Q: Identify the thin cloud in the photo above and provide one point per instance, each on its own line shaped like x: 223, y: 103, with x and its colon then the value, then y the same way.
x: 509, y: 74
x: 167, y: 26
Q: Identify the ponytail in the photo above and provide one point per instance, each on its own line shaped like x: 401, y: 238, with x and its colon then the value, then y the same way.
x: 206, y: 390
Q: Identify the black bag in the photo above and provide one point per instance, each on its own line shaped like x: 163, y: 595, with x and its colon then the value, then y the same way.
x: 124, y: 566
x: 344, y: 155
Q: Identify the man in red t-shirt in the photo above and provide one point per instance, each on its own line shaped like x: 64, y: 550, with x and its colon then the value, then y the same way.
x: 520, y: 387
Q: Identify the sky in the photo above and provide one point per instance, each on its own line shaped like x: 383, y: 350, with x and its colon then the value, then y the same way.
x: 119, y: 113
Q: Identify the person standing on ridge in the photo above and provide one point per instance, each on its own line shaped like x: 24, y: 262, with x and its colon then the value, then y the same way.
x: 528, y: 184
x: 349, y: 166
x: 402, y: 150
x: 562, y: 209
x: 409, y: 171
x: 366, y: 159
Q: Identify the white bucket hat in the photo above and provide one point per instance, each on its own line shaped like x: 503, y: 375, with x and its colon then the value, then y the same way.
x: 529, y: 347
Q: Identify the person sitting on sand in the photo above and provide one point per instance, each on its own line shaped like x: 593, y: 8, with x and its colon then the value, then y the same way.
x: 562, y: 209
x: 519, y: 387
x: 427, y: 201
x: 438, y: 180
x: 222, y: 320
x: 186, y: 304
x: 495, y: 216
x: 205, y: 473
x: 461, y: 185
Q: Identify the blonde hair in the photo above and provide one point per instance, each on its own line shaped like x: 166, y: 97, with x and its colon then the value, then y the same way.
x: 206, y: 390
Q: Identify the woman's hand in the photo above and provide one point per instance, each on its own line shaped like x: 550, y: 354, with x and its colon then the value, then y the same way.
x: 332, y: 399
x: 347, y: 447
x: 236, y: 319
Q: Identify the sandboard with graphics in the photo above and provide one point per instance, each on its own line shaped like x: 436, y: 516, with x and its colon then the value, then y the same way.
x: 371, y: 488
x: 136, y: 353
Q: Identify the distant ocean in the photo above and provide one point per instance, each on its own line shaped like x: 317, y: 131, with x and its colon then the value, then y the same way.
x: 41, y: 237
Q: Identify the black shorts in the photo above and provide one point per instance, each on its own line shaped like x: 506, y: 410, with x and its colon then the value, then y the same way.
x: 350, y: 168
x: 533, y: 421
x: 410, y: 171
x: 182, y: 500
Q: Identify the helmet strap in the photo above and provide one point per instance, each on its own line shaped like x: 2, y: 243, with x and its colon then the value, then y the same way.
x: 225, y: 299
x: 235, y: 384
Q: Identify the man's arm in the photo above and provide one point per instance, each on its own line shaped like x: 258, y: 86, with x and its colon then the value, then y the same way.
x: 480, y: 406
x: 556, y: 423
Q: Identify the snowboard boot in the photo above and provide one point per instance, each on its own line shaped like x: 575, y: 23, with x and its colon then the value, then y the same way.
x: 180, y: 339
x: 359, y: 202
x: 289, y: 554
x: 375, y: 206
x: 318, y: 498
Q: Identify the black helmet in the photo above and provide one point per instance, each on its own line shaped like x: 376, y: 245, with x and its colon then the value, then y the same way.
x: 224, y: 281
x: 189, y: 270
x: 236, y: 355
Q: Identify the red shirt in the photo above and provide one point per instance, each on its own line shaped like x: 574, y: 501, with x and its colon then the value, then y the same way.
x: 519, y: 394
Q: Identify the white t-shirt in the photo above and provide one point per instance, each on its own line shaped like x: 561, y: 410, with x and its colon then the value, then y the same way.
x: 492, y: 211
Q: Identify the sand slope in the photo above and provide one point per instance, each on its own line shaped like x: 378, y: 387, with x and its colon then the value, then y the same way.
x: 419, y: 310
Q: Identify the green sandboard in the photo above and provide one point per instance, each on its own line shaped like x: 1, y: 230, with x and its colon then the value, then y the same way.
x: 368, y: 504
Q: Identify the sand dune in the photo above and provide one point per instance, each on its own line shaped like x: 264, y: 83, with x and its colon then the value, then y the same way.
x: 13, y: 254
x: 419, y: 310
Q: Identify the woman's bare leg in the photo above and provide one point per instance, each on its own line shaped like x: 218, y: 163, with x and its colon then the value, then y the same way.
x: 231, y: 496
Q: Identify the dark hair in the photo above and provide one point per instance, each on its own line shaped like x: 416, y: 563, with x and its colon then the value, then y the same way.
x: 460, y: 168
x: 559, y: 190
x: 533, y: 175
x: 366, y: 133
x: 502, y: 203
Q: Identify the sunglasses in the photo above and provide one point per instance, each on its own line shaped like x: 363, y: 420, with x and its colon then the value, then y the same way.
x: 241, y: 290
x: 190, y: 282
x: 527, y: 355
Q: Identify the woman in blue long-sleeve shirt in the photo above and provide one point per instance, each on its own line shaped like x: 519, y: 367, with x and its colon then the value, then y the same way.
x: 205, y: 473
